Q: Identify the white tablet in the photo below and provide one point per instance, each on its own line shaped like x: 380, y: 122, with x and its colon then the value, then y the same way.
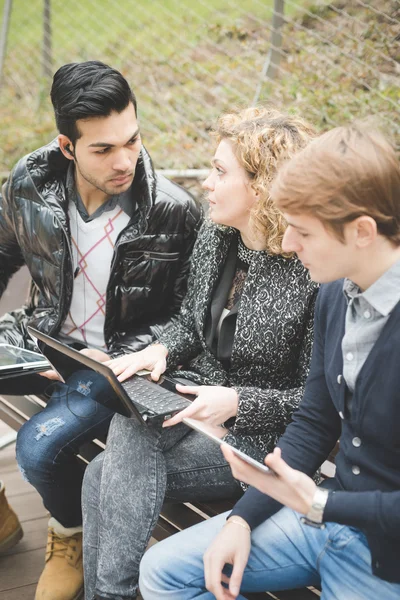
x: 14, y: 360
x: 217, y: 434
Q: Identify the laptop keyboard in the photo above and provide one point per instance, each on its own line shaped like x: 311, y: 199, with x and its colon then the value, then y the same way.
x: 154, y: 397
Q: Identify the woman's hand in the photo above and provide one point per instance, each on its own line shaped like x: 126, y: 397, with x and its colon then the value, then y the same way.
x: 153, y: 358
x: 286, y: 485
x: 214, y: 404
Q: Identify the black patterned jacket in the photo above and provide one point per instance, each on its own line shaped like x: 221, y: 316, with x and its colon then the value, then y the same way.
x: 273, y: 338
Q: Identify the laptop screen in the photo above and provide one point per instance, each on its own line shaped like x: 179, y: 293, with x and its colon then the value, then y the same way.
x: 17, y: 359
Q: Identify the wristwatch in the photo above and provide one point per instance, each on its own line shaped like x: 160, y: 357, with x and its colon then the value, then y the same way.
x: 315, y: 515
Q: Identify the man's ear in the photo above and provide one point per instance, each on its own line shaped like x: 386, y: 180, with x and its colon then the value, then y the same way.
x: 366, y: 231
x: 66, y: 146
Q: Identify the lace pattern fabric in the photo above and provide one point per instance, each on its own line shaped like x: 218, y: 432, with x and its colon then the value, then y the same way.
x: 273, y: 337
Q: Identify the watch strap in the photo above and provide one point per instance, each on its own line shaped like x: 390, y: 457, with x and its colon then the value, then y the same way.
x: 316, y: 512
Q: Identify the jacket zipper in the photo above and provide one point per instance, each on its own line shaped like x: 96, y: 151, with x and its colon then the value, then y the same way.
x: 117, y: 245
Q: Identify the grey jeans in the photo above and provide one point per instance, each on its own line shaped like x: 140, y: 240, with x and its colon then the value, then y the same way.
x: 124, y: 489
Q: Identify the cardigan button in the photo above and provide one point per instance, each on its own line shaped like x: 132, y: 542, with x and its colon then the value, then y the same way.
x: 355, y: 470
x: 356, y: 442
x: 339, y: 379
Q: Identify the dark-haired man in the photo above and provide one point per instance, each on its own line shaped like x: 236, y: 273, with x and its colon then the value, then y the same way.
x: 108, y: 244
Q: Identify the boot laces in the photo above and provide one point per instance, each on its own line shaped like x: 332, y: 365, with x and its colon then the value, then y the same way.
x: 64, y: 547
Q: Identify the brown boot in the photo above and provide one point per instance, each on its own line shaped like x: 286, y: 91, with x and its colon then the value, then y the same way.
x: 62, y: 577
x: 10, y: 527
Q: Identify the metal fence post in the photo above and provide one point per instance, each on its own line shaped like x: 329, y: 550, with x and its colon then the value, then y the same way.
x: 46, y: 53
x: 272, y: 61
x: 4, y: 33
x: 322, y: 60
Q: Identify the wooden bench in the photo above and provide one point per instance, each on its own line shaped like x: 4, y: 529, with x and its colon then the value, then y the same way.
x: 16, y: 410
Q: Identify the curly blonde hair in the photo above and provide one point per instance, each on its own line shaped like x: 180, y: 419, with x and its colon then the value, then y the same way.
x: 262, y: 139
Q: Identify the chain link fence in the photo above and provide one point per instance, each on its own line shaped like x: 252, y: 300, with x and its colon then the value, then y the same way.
x: 187, y: 62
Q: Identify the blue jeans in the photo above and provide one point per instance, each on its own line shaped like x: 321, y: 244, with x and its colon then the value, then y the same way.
x: 48, y: 443
x: 285, y: 554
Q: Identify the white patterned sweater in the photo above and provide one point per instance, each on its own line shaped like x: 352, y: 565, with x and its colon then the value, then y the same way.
x: 93, y: 247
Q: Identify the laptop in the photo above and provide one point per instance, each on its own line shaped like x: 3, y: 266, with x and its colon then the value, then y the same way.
x: 138, y: 396
x: 18, y: 361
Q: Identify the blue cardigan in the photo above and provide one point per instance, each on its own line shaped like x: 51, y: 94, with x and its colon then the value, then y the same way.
x: 366, y: 487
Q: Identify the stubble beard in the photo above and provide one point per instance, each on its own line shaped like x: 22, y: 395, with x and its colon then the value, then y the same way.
x: 111, y: 190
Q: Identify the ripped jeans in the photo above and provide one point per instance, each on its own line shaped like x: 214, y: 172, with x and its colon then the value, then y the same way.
x: 48, y: 443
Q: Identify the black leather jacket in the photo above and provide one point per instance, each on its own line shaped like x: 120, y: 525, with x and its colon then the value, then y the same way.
x: 151, y: 256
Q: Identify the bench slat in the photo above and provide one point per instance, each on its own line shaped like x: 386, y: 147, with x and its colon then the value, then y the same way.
x: 180, y: 515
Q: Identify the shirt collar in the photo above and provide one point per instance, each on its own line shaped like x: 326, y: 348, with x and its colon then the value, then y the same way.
x: 124, y: 200
x: 383, y: 294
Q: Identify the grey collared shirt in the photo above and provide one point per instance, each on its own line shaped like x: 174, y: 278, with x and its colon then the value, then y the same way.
x: 124, y: 200
x: 366, y: 315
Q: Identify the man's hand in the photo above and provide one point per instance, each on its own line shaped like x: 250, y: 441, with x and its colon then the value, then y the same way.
x: 214, y: 404
x: 90, y: 352
x: 153, y: 358
x: 286, y: 485
x: 231, y: 546
x: 98, y: 355
x: 51, y: 374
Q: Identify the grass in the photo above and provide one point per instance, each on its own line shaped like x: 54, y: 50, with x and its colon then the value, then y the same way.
x: 188, y: 61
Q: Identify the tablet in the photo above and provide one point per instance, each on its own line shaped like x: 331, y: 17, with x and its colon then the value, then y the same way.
x: 14, y: 360
x: 217, y: 434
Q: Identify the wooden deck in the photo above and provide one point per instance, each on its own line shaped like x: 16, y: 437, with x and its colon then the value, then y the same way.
x: 21, y: 566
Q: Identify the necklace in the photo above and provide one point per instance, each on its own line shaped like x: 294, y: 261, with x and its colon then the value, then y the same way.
x: 245, y: 254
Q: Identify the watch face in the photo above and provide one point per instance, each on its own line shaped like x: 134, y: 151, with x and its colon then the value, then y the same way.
x: 316, y: 512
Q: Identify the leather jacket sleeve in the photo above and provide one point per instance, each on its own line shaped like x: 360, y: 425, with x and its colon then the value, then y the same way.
x: 13, y: 324
x: 11, y: 258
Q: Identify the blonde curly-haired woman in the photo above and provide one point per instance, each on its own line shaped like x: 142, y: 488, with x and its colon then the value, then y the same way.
x: 243, y: 339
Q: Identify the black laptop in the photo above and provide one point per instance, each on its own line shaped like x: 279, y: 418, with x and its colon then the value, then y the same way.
x: 137, y: 396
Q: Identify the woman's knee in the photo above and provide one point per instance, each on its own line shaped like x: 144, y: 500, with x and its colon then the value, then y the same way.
x: 91, y: 482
